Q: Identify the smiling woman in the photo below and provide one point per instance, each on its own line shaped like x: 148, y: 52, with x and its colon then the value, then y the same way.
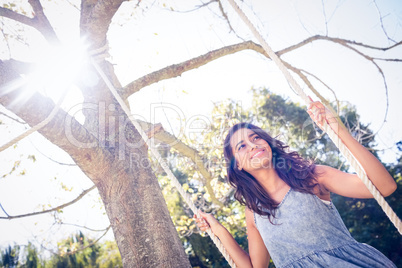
x: 255, y: 158
x: 289, y: 213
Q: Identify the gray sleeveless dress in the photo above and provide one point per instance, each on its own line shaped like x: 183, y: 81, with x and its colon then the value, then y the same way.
x: 309, y: 233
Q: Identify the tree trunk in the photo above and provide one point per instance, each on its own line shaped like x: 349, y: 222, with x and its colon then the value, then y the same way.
x: 140, y: 219
x: 117, y: 162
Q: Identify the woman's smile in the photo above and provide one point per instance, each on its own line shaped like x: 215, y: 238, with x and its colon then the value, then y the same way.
x: 257, y: 153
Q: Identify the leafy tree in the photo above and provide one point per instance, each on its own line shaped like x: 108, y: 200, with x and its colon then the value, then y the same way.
x: 76, y: 251
x: 109, y: 256
x: 104, y: 149
x: 369, y: 224
x: 10, y: 256
x: 32, y: 258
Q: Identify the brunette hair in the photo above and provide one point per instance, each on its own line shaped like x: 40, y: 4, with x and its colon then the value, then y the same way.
x: 297, y: 172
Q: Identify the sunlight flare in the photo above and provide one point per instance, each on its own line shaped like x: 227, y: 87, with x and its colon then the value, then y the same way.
x: 57, y: 70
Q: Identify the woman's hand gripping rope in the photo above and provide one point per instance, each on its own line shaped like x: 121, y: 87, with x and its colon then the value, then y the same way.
x: 206, y: 221
x: 318, y: 113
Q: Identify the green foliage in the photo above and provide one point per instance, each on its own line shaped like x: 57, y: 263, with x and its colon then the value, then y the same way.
x: 32, y: 259
x: 75, y: 251
x: 9, y: 257
x: 17, y: 166
x: 368, y: 223
x: 109, y: 256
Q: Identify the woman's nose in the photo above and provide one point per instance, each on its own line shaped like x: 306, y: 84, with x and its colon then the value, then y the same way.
x: 253, y: 146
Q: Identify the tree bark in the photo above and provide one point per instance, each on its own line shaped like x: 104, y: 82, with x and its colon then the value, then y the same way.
x: 107, y: 148
x: 120, y: 169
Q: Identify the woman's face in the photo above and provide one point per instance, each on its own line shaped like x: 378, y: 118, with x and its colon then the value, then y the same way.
x: 250, y: 151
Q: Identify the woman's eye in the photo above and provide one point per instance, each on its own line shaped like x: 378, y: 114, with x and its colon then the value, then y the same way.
x: 240, y: 147
x: 256, y: 138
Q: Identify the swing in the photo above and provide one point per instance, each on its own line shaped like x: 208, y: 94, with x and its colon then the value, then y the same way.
x: 343, y: 149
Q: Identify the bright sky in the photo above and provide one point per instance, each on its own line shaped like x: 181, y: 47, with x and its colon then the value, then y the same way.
x: 146, y: 40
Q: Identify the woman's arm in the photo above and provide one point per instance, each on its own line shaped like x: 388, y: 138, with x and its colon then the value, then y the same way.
x: 239, y: 256
x: 349, y: 184
x: 258, y: 252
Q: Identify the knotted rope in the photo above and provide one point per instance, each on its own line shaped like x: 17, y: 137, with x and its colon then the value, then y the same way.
x: 334, y: 137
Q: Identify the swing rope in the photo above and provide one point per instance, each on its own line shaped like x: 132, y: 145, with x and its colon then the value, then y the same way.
x: 162, y: 162
x: 334, y: 137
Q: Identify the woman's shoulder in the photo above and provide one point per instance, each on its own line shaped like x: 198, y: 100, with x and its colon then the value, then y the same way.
x: 249, y: 217
x: 322, y: 172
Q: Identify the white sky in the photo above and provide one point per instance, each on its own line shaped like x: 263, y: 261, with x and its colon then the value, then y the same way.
x: 145, y: 41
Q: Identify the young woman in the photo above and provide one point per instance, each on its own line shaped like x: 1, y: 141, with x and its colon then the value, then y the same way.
x: 289, y: 214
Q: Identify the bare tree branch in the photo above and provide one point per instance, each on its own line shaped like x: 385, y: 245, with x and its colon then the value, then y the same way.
x: 325, y: 85
x: 5, y: 38
x: 335, y: 40
x: 42, y: 23
x: 84, y: 227
x: 8, y: 13
x: 185, y: 150
x: 325, y: 17
x: 383, y: 79
x: 39, y: 21
x: 177, y: 69
x: 347, y: 44
x: 396, y: 60
x: 5, y: 212
x: 49, y: 210
x: 12, y: 118
x: 382, y: 23
x: 51, y: 159
x: 225, y: 16
x: 194, y: 9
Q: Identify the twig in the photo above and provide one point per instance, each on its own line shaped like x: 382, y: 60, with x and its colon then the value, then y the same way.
x: 383, y: 78
x: 49, y: 210
x: 382, y: 24
x: 225, y: 16
x: 84, y: 227
x: 5, y: 39
x: 12, y: 118
x: 51, y: 159
x: 194, y: 9
x: 335, y: 40
x: 87, y: 246
x: 325, y: 17
x: 325, y: 85
x: 4, y: 210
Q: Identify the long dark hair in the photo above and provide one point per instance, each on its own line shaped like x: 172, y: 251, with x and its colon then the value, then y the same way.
x: 297, y: 172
